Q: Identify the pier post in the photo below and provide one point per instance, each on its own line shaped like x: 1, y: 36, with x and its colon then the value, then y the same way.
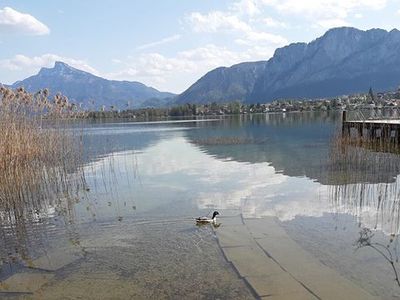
x: 384, y: 133
x: 343, y: 122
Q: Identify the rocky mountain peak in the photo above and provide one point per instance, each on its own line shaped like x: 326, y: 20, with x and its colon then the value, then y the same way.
x: 84, y: 87
x: 344, y: 60
x: 61, y: 68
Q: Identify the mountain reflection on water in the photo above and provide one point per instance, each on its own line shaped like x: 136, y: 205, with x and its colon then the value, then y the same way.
x: 301, y: 145
x: 269, y: 164
x: 291, y: 143
x: 143, y: 176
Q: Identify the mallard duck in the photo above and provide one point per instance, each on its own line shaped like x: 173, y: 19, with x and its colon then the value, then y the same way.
x: 203, y: 220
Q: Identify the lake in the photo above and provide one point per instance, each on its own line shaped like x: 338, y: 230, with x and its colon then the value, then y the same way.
x: 291, y: 226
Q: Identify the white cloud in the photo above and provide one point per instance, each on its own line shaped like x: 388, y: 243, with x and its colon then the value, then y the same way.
x: 245, y: 16
x: 155, y: 68
x: 217, y: 21
x: 14, y: 21
x: 211, y: 53
x: 270, y: 22
x: 241, y: 21
x: 334, y: 11
x: 331, y: 23
x: 163, y: 41
x: 255, y: 38
x: 33, y: 64
x: 175, y: 73
x: 332, y: 8
x: 246, y: 7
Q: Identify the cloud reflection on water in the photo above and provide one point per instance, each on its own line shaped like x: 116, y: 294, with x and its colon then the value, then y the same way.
x: 185, y: 172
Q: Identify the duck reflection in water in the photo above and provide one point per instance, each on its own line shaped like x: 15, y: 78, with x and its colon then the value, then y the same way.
x: 214, y: 225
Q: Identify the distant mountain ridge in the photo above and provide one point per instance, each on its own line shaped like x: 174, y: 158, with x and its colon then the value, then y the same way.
x: 90, y: 90
x: 343, y: 61
x: 224, y: 84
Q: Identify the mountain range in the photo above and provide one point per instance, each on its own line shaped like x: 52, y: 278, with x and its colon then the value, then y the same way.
x: 90, y: 90
x: 343, y: 61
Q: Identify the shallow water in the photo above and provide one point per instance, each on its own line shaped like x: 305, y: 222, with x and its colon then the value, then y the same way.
x: 132, y: 235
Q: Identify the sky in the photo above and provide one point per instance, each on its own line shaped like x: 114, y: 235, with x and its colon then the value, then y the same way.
x: 168, y: 44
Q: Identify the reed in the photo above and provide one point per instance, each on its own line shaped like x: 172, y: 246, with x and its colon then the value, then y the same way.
x: 357, y: 159
x: 363, y: 180
x: 39, y: 155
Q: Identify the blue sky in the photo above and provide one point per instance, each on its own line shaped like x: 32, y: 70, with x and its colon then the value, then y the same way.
x: 168, y: 44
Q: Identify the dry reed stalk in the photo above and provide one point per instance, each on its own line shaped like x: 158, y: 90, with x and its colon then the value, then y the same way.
x: 363, y: 175
x: 38, y: 154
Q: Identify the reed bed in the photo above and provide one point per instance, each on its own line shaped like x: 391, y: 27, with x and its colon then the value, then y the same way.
x: 363, y: 178
x: 362, y: 160
x: 39, y: 155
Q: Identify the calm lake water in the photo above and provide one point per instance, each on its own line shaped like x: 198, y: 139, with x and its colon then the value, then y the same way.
x: 132, y: 234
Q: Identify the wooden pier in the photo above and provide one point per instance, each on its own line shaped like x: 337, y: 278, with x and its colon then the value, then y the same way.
x: 387, y: 130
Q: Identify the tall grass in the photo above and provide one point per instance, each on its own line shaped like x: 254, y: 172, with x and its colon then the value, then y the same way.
x: 38, y: 154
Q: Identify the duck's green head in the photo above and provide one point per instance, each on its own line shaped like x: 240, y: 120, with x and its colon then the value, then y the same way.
x: 215, y: 214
